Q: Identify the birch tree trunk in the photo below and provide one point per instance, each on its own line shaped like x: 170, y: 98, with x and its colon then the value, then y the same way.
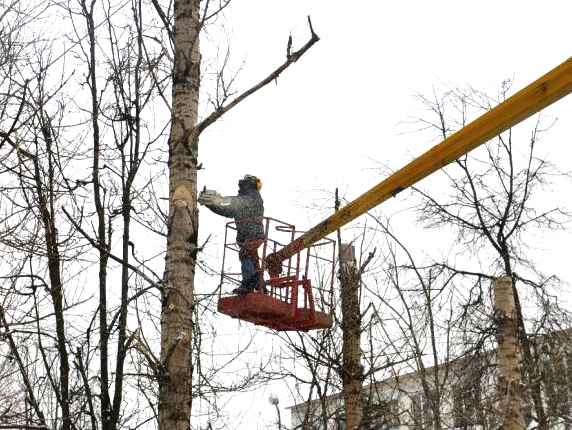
x: 509, y: 388
x: 352, y: 371
x: 175, y: 398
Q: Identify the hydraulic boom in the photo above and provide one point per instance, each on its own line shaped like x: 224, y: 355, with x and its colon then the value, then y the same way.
x: 541, y: 93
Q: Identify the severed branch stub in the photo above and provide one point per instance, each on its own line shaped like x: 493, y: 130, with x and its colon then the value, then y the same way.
x: 291, y: 57
x: 183, y: 194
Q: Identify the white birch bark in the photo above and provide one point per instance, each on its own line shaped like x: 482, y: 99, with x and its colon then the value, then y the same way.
x: 509, y: 386
x: 175, y: 397
x: 352, y: 370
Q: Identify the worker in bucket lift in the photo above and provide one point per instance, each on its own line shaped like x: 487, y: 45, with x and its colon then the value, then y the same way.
x: 247, y: 209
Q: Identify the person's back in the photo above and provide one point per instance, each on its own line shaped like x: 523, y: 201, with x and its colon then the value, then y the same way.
x: 250, y: 212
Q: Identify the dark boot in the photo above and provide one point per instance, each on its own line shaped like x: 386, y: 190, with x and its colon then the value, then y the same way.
x: 242, y: 291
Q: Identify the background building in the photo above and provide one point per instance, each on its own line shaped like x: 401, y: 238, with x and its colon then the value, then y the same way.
x: 465, y: 399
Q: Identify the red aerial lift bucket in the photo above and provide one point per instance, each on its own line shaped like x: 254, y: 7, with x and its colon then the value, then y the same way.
x: 286, y: 302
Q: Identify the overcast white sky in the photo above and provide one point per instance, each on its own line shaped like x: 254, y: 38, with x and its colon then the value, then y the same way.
x: 339, y: 112
x: 339, y: 109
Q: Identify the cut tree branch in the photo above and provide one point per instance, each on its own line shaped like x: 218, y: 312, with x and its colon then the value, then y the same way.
x: 290, y: 59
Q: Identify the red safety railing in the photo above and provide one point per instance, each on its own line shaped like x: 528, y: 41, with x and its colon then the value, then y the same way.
x: 287, y: 301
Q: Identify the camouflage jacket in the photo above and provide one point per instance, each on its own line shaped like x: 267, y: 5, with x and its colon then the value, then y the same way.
x: 247, y: 209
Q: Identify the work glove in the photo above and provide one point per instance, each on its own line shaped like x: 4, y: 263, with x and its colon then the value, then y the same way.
x: 209, y: 197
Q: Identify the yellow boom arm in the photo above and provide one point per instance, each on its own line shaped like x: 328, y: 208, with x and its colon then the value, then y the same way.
x: 541, y: 93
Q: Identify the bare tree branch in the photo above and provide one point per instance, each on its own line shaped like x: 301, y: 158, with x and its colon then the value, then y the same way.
x: 290, y: 59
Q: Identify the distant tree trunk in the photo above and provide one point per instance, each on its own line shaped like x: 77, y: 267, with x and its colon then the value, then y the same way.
x: 98, y: 200
x: 352, y: 371
x: 509, y: 388
x: 46, y: 196
x: 176, y: 316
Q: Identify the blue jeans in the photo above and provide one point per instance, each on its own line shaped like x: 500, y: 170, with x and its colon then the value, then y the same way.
x: 250, y: 279
x: 250, y: 264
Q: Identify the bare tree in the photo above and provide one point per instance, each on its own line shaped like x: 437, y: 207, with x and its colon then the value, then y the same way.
x: 510, y: 403
x: 178, y: 299
x: 492, y: 206
x: 337, y: 387
x: 352, y: 369
x: 82, y: 157
x: 48, y: 165
x: 416, y: 314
